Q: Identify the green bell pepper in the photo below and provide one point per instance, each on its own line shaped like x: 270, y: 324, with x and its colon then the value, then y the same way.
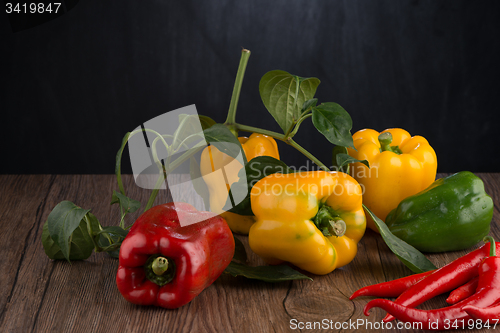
x: 453, y: 213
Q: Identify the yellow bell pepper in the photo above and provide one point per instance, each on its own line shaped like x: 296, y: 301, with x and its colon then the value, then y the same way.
x: 212, y: 159
x: 292, y: 208
x: 400, y: 166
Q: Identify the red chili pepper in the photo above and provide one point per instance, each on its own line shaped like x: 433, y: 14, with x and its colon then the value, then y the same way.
x: 490, y: 313
x: 444, y: 279
x: 463, y: 291
x: 488, y: 293
x: 164, y: 264
x: 392, y: 288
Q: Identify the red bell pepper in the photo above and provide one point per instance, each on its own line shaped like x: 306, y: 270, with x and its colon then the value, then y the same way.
x: 164, y: 264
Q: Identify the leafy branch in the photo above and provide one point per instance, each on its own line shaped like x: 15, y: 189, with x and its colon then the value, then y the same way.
x: 73, y: 233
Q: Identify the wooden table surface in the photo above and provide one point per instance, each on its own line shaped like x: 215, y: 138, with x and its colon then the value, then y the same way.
x: 41, y: 295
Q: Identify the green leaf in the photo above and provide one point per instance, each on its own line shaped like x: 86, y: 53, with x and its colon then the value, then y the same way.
x: 109, y: 242
x: 206, y: 122
x: 102, y: 236
x: 127, y: 205
x: 284, y: 95
x: 114, y: 231
x: 222, y: 138
x: 342, y: 161
x: 240, y: 255
x: 336, y: 166
x: 118, y: 164
x: 258, y: 168
x: 62, y: 221
x: 95, y: 226
x: 265, y: 273
x: 331, y: 120
x: 309, y: 103
x: 199, y: 185
x: 410, y: 256
x: 81, y: 245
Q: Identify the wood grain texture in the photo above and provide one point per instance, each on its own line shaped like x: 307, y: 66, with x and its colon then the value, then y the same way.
x: 40, y: 295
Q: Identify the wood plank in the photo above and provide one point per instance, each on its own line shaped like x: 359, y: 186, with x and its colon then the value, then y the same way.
x: 83, y: 295
x: 43, y: 295
x: 23, y: 203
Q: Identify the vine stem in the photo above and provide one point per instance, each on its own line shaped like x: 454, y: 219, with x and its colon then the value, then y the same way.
x: 297, y: 125
x: 252, y: 129
x: 170, y: 167
x: 125, y: 140
x: 295, y: 145
x: 231, y: 115
x: 153, y: 195
x: 283, y: 138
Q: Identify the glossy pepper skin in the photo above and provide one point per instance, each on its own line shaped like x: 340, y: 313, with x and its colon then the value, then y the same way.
x: 392, y: 288
x: 463, y: 291
x: 212, y: 159
x: 290, y: 209
x: 487, y: 294
x: 445, y: 279
x: 490, y: 314
x: 400, y: 166
x: 196, y: 255
x: 453, y: 213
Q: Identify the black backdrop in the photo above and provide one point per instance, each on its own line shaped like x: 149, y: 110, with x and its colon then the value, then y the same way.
x: 73, y: 86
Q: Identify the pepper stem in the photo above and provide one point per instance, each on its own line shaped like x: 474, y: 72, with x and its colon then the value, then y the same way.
x: 160, y: 265
x: 329, y: 222
x: 385, y: 140
x: 337, y: 227
x: 159, y: 269
x: 493, y: 248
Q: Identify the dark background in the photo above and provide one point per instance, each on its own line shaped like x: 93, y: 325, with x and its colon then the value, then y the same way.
x: 73, y: 86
